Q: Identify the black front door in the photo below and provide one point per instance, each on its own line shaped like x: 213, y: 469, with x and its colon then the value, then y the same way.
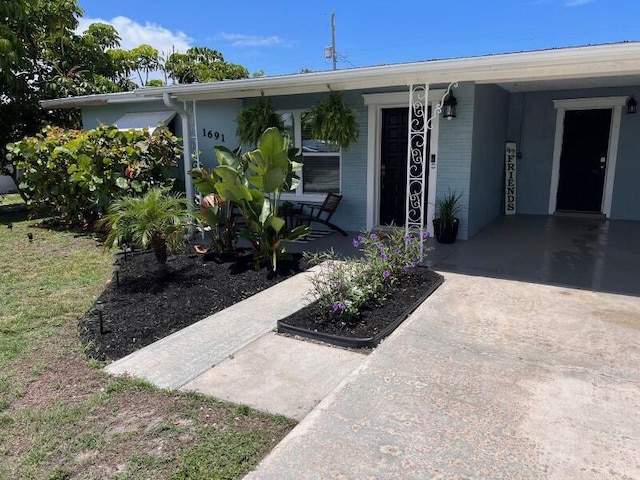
x: 583, y: 161
x: 393, y: 169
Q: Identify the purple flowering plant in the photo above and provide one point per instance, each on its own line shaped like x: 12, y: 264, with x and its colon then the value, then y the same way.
x: 343, y: 286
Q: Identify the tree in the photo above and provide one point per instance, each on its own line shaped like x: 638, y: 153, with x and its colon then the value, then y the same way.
x: 31, y: 32
x: 202, y: 64
x: 157, y: 220
x: 146, y: 60
x: 42, y: 57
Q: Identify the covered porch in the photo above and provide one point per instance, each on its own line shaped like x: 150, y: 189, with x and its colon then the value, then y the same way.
x: 585, y: 252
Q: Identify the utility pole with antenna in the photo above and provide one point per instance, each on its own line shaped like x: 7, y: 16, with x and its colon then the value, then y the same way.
x: 330, y: 51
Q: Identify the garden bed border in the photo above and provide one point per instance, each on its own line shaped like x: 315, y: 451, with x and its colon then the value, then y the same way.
x: 368, y: 342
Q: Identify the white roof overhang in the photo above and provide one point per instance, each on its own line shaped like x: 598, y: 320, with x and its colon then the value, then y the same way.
x: 139, y: 120
x: 589, y: 62
x: 98, y: 99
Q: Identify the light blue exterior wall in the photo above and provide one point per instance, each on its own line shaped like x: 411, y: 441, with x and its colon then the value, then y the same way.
x: 216, y: 116
x: 454, y: 163
x: 351, y: 215
x: 532, y: 124
x: 491, y: 113
x: 626, y: 190
x: 455, y: 151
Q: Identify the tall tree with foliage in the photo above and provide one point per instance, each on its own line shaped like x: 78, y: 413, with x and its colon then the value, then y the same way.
x: 41, y: 57
x: 146, y: 60
x: 202, y: 64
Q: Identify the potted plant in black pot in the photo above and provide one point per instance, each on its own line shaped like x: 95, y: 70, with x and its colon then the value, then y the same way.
x: 446, y: 222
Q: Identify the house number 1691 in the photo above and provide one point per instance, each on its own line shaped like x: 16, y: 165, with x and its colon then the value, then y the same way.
x: 212, y: 134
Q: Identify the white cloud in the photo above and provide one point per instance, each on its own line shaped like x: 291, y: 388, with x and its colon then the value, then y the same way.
x: 240, y: 40
x: 133, y: 34
x: 577, y: 3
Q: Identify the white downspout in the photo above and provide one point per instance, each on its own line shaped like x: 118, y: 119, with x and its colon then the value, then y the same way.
x: 186, y: 143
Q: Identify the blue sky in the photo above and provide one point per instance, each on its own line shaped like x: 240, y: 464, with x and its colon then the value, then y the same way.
x: 282, y: 37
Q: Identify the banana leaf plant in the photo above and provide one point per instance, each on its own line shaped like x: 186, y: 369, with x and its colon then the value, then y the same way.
x: 254, y: 182
x: 214, y: 211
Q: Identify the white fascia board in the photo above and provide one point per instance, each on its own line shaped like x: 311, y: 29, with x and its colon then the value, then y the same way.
x: 564, y: 63
x: 602, y: 60
x: 98, y: 99
x: 72, y: 102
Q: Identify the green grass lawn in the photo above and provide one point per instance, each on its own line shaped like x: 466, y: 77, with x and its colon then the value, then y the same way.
x: 61, y: 417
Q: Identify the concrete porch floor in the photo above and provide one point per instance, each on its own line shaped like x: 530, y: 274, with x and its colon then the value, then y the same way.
x: 578, y: 252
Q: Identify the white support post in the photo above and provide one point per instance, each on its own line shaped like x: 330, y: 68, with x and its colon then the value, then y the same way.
x: 417, y: 163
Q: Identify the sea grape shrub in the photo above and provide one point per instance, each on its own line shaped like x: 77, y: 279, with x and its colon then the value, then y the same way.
x: 76, y: 174
x: 344, y: 286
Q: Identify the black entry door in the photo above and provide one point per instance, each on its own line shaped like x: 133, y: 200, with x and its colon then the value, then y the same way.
x: 583, y: 161
x: 393, y: 174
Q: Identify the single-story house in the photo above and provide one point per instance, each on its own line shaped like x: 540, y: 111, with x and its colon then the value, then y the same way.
x: 564, y: 120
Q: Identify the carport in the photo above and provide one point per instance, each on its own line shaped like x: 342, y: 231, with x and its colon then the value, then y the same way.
x: 579, y: 251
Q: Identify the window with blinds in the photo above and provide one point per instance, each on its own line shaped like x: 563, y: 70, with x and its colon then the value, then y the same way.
x: 321, y: 160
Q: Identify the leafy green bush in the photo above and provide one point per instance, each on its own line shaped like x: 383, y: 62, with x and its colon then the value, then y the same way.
x: 76, y: 174
x: 344, y: 286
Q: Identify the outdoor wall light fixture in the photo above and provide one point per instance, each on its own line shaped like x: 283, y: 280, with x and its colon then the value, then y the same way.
x: 632, y: 106
x: 449, y: 107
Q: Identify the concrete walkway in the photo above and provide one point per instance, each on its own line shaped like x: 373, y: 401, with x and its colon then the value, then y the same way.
x: 279, y: 375
x: 489, y: 378
x: 179, y: 358
x: 254, y: 367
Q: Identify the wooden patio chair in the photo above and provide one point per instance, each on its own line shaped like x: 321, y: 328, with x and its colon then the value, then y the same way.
x: 320, y: 213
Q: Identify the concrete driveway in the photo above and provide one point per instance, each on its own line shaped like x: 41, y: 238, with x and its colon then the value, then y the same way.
x: 489, y: 378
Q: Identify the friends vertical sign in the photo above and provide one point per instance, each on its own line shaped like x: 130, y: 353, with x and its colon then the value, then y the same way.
x: 510, y: 179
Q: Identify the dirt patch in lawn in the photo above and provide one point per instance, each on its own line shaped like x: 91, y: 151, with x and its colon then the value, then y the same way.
x: 64, y: 419
x: 146, y: 307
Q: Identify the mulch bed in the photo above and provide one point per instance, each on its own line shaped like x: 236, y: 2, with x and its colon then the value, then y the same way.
x: 375, y: 319
x: 146, y: 307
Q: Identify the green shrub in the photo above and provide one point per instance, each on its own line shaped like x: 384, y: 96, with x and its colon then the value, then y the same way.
x: 76, y: 174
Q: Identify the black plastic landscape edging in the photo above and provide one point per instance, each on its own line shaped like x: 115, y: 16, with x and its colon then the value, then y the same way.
x: 368, y: 342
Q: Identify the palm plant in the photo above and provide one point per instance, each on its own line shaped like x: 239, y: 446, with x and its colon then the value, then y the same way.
x: 157, y: 220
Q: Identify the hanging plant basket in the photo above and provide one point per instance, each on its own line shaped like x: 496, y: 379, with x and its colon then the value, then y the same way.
x: 334, y: 122
x: 254, y: 120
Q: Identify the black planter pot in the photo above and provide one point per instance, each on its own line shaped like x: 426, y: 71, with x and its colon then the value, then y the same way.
x: 445, y: 233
